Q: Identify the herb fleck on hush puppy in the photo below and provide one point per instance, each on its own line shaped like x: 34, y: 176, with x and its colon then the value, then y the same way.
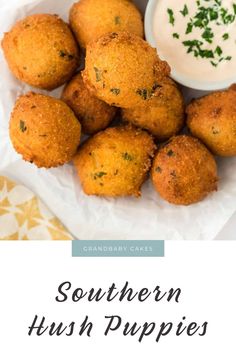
x: 115, y: 162
x: 41, y: 51
x: 184, y: 171
x: 93, y: 114
x: 123, y: 70
x: 44, y: 130
x: 212, y: 119
x: 163, y: 115
x: 91, y: 19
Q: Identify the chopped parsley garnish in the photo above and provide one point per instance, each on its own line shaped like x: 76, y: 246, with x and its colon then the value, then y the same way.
x: 189, y: 28
x: 158, y: 169
x: 115, y: 91
x: 184, y: 12
x: 170, y: 153
x: 98, y: 74
x: 176, y: 35
x: 171, y: 16
x: 218, y: 51
x: 117, y: 20
x: 66, y: 55
x: 208, y: 35
x: 126, y: 156
x: 225, y: 36
x: 99, y: 175
x: 146, y: 94
x: 206, y: 15
x: 23, y: 128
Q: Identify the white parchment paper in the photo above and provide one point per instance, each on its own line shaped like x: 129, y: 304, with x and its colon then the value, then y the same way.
x: 90, y: 217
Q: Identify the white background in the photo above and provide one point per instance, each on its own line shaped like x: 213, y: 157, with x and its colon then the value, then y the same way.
x: 31, y: 273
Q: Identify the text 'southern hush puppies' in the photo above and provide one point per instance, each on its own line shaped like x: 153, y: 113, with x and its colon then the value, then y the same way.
x: 163, y: 115
x: 93, y: 114
x: 41, y: 51
x: 44, y: 130
x: 91, y: 19
x: 115, y: 162
x: 123, y: 70
x: 213, y: 120
x: 184, y: 171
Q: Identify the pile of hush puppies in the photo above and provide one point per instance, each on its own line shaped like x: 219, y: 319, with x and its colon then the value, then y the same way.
x: 123, y: 76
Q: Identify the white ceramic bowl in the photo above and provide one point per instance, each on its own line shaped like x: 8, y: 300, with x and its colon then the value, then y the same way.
x: 177, y: 76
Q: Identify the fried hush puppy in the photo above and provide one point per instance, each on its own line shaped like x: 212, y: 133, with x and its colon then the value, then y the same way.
x: 123, y: 70
x: 91, y: 19
x: 163, y: 115
x: 93, y: 114
x: 41, y: 51
x: 212, y: 119
x: 115, y: 162
x: 184, y: 171
x: 44, y: 130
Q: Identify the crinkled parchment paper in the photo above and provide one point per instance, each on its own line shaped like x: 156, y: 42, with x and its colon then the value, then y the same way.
x: 90, y: 217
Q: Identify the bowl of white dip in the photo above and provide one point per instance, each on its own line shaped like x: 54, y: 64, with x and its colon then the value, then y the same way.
x: 197, y: 38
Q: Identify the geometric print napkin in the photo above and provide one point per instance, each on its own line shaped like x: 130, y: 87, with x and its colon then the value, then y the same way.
x: 24, y: 217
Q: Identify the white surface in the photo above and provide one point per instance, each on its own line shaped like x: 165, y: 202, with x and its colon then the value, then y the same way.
x: 96, y: 218
x: 29, y: 286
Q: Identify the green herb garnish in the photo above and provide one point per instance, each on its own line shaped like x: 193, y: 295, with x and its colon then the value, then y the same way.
x: 184, y: 12
x: 98, y: 74
x: 171, y: 16
x: 158, y: 169
x: 144, y: 93
x: 126, y: 156
x: 225, y: 36
x: 115, y: 91
x: 208, y: 35
x: 62, y: 54
x: 23, y: 127
x: 117, y: 20
x: 170, y: 153
x: 99, y: 175
x: 189, y: 28
x: 218, y: 51
x: 205, y: 17
x: 68, y: 56
x: 176, y: 35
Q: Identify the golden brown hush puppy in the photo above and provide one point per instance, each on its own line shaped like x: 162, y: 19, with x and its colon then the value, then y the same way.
x: 123, y: 70
x: 44, y: 130
x: 212, y: 119
x: 115, y: 162
x: 93, y: 114
x: 163, y: 115
x: 91, y: 19
x: 41, y: 51
x: 184, y: 171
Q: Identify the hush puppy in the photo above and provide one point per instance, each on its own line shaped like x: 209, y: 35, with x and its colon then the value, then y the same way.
x: 163, y: 115
x: 91, y: 19
x: 93, y: 114
x: 41, y: 51
x: 44, y: 130
x: 184, y: 171
x: 212, y: 119
x: 115, y: 162
x: 123, y: 70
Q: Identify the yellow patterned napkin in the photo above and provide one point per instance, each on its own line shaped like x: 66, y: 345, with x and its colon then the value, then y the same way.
x: 24, y: 217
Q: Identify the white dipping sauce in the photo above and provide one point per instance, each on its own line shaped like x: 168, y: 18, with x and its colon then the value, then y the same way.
x: 216, y: 38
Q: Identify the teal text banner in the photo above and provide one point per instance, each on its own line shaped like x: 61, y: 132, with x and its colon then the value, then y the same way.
x: 113, y: 248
